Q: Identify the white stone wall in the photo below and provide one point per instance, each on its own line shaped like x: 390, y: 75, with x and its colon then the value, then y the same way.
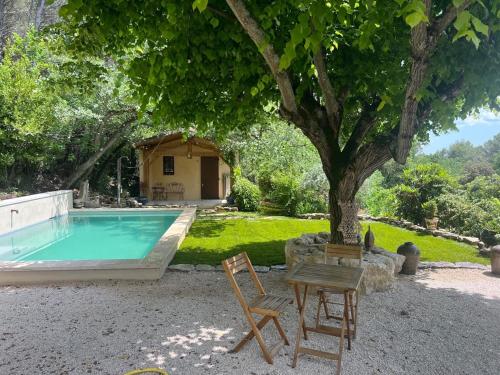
x: 33, y: 209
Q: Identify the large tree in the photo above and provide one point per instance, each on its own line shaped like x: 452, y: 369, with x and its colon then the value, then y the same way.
x: 360, y: 79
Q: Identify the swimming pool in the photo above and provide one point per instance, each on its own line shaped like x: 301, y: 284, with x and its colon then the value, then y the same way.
x: 88, y: 236
x: 95, y: 244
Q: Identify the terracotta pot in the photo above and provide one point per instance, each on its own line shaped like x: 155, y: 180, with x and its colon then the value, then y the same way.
x: 431, y: 223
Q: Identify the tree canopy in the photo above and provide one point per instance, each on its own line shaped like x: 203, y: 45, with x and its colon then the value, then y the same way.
x: 359, y: 78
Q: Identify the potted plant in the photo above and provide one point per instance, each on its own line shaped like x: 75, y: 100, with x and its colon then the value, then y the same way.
x: 430, y: 212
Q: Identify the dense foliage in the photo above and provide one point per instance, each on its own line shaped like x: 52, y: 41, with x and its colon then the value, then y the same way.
x: 360, y: 79
x: 62, y: 120
x: 465, y: 199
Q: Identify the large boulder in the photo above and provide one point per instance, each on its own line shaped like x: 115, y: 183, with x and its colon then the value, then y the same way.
x: 381, y: 266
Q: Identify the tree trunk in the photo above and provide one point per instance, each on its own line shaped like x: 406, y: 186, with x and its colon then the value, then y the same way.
x: 343, y: 189
x: 83, y: 168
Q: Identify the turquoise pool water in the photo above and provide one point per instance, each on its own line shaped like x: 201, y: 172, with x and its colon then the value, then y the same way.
x: 88, y: 236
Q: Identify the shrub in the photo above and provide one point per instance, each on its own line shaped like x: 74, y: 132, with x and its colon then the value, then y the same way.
x: 309, y: 202
x: 376, y: 199
x: 461, y: 215
x: 409, y: 205
x: 246, y: 194
x: 285, y: 192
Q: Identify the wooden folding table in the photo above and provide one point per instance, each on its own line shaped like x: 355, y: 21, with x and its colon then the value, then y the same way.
x: 343, y: 279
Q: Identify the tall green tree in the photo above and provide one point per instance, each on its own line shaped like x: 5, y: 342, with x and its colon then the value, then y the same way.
x: 360, y: 79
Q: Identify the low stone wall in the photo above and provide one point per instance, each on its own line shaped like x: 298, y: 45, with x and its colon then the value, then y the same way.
x: 380, y: 266
x: 474, y: 241
x: 21, y: 212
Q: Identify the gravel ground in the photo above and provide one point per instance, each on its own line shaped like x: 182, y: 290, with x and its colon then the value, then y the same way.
x: 438, y: 322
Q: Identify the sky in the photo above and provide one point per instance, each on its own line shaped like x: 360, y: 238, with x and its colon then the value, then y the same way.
x: 476, y: 129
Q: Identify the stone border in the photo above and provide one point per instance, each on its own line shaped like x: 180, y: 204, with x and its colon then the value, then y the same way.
x: 283, y: 267
x: 151, y: 267
x: 474, y: 241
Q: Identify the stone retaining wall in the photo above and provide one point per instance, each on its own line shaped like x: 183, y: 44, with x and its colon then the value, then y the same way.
x: 474, y: 241
x: 380, y: 266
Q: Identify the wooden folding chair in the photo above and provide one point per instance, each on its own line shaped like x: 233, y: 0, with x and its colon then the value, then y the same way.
x: 264, y: 304
x: 326, y: 296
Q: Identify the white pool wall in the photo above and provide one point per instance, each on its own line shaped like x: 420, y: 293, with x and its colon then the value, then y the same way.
x: 33, y: 209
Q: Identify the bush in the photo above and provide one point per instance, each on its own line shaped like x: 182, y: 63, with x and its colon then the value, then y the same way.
x: 293, y: 195
x: 421, y: 183
x: 376, y: 199
x: 246, y: 194
x: 458, y: 213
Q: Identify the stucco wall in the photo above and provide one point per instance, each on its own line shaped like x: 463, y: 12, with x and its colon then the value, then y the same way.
x: 33, y: 209
x: 186, y: 171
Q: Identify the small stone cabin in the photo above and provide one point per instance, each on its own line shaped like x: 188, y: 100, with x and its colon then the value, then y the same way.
x: 172, y: 168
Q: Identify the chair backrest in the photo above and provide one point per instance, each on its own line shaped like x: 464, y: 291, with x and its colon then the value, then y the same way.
x: 237, y: 264
x: 175, y: 187
x: 343, y: 251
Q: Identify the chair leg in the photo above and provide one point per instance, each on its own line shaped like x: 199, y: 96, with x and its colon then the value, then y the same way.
x: 341, y: 345
x: 353, y: 316
x: 318, y: 311
x: 250, y: 335
x: 325, y: 306
x: 280, y: 330
x: 346, y: 317
x: 260, y: 340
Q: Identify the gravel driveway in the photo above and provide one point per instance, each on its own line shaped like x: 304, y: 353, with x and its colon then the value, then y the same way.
x: 438, y: 322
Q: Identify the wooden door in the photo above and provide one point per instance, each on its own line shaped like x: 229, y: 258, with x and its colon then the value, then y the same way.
x: 209, y: 177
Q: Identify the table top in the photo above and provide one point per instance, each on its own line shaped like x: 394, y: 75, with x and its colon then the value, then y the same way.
x: 326, y: 276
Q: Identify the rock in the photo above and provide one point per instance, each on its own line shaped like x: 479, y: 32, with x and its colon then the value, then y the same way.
x: 442, y: 265
x: 219, y: 268
x: 279, y: 267
x: 470, y: 265
x: 92, y: 204
x: 380, y: 267
x: 378, y: 275
x: 471, y: 240
x: 204, y: 267
x: 397, y: 259
x: 181, y: 267
x: 425, y: 265
x: 261, y: 269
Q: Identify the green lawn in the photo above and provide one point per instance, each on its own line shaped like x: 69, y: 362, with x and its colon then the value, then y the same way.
x: 263, y: 238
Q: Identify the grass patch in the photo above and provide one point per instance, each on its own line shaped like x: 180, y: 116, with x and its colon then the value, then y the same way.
x: 212, y: 239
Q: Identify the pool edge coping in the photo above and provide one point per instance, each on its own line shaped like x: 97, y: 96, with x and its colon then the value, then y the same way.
x: 151, y: 267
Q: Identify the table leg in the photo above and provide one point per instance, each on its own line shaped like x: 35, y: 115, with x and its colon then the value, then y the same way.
x: 299, y: 305
x: 346, y: 317
x: 301, y: 328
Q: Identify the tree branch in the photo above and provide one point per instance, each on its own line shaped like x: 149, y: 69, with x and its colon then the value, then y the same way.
x: 365, y: 123
x: 442, y: 23
x: 331, y: 103
x: 257, y: 35
x: 221, y: 14
x: 423, y: 43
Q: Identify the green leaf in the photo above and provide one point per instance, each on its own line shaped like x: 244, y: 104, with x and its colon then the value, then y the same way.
x: 413, y: 19
x: 457, y: 3
x: 479, y: 26
x: 201, y: 5
x: 381, y: 106
x: 254, y: 91
x: 214, y: 22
